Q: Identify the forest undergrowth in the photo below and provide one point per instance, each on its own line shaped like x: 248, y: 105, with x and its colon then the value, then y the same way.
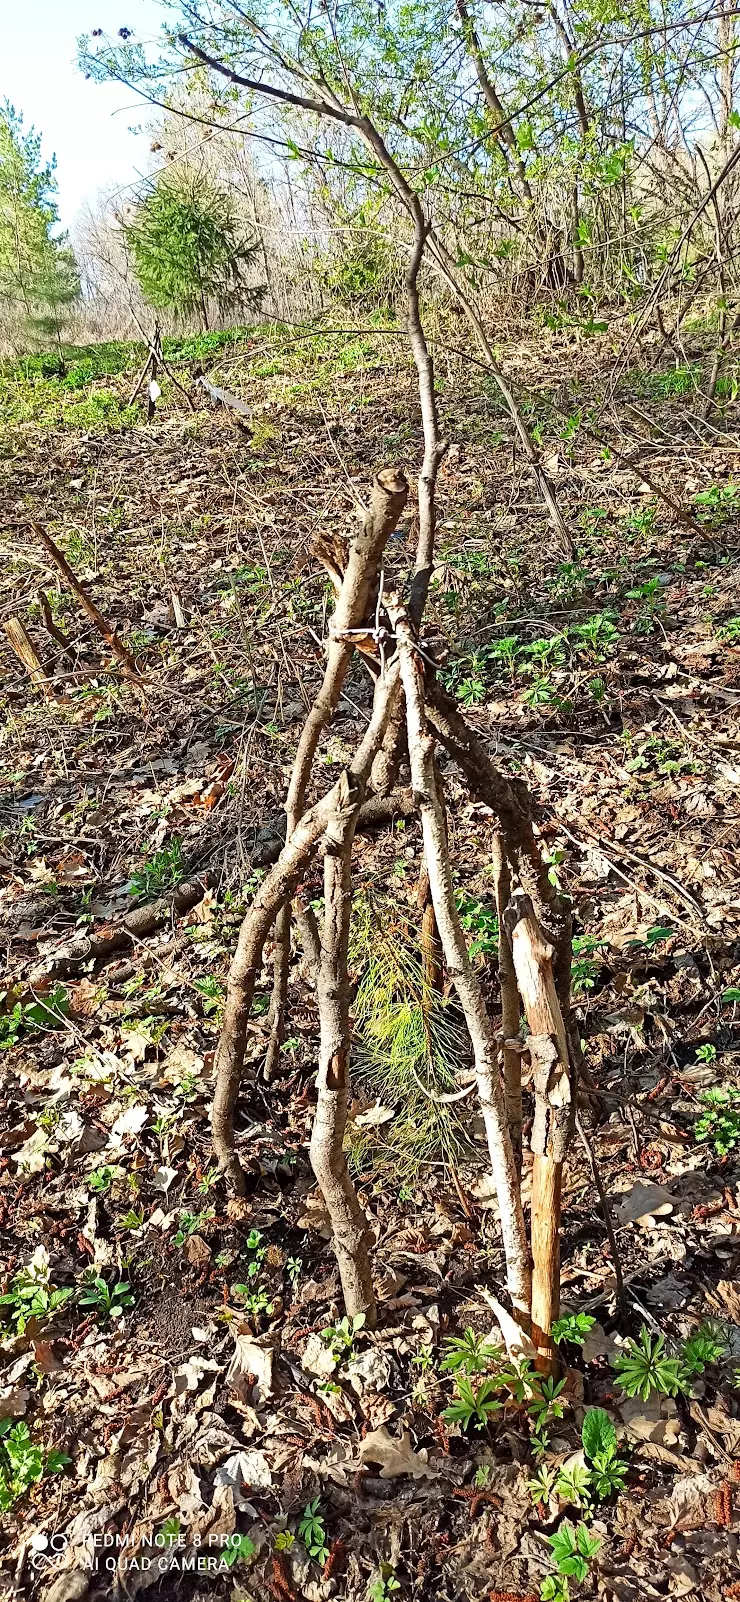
x: 185, y: 1409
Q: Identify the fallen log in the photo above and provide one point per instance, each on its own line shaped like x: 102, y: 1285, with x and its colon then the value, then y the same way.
x: 71, y: 955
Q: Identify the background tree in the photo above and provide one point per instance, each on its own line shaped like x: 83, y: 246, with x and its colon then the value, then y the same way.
x: 39, y: 282
x: 190, y: 249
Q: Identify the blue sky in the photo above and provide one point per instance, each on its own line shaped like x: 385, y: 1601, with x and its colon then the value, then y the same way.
x: 85, y: 124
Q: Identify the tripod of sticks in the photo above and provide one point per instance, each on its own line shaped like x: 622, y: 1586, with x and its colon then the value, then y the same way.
x: 411, y: 707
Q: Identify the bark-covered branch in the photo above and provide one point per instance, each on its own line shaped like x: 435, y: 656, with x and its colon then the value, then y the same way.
x: 387, y: 501
x: 271, y: 897
x: 483, y: 1040
x: 349, y: 1226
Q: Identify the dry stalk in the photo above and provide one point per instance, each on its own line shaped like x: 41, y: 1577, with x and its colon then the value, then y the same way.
x: 20, y: 643
x: 509, y: 1001
x: 115, y: 645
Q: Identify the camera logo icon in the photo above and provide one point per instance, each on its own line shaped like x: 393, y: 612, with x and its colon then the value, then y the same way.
x: 45, y: 1549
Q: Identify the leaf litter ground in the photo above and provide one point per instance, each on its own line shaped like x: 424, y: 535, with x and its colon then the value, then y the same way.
x: 211, y: 1406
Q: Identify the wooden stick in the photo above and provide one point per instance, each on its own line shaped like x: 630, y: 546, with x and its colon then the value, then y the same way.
x: 21, y: 645
x: 275, y: 890
x: 364, y: 553
x: 554, y: 1113
x: 608, y: 1221
x: 104, y: 629
x: 509, y: 1000
x: 349, y: 1225
x: 480, y: 1029
x: 53, y: 628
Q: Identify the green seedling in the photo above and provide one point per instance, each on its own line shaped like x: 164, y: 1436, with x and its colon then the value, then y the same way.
x: 644, y: 1368
x: 384, y: 1585
x: 473, y: 1406
x: 706, y: 1053
x: 340, y: 1337
x: 708, y: 1345
x: 191, y: 1224
x: 160, y: 872
x: 212, y: 991
x: 468, y: 1354
x: 108, y: 1301
x: 101, y: 1179
x: 542, y: 1485
x: 132, y: 1219
x: 480, y: 920
x: 574, y: 1485
x: 256, y: 1302
x: 554, y: 1588
x: 585, y: 971
x: 471, y: 692
x: 22, y: 1462
x: 31, y: 1017
x: 312, y: 1531
x: 574, y: 1328
x: 238, y: 1549
x: 573, y: 1549
x: 606, y: 1469
x: 654, y: 937
x: 30, y: 1296
x: 720, y: 1121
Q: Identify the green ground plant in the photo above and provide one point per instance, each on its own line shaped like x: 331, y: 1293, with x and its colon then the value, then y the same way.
x: 31, y: 1017
x: 312, y: 1530
x: 720, y: 1120
x: 159, y: 872
x: 23, y: 1462
x: 645, y: 1367
x: 106, y: 1301
x: 31, y: 1296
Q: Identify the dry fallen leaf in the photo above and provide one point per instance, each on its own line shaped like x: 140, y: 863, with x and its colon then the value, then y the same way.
x: 130, y: 1121
x: 252, y: 1368
x: 518, y: 1344
x: 244, y: 1470
x: 198, y: 1252
x: 645, y: 1201
x: 395, y: 1457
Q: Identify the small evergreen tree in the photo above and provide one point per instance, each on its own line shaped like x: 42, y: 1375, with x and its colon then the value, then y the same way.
x: 189, y: 248
x: 38, y: 274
